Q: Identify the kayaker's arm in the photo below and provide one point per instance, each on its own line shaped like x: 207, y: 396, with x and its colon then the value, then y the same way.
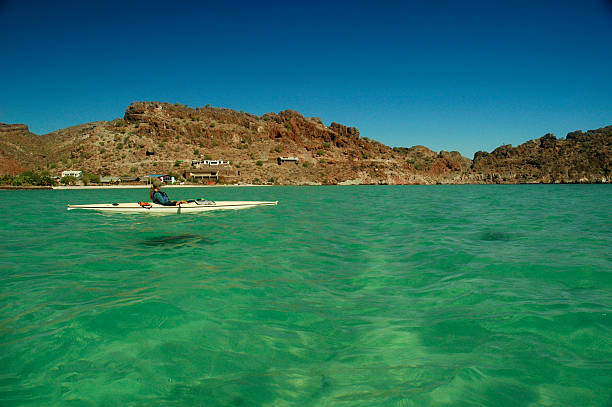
x: 162, y: 199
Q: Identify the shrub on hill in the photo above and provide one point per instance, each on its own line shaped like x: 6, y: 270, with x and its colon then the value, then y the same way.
x: 69, y: 180
x: 90, y: 179
x: 28, y: 178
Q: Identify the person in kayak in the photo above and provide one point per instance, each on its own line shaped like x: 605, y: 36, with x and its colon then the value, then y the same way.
x: 160, y: 197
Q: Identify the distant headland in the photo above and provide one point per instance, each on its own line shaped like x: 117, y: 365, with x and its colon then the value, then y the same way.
x: 222, y: 146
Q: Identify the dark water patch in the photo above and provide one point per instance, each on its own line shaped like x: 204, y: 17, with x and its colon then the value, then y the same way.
x: 497, y: 236
x: 178, y: 240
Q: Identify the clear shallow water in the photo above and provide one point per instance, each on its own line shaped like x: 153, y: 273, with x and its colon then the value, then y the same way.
x: 360, y: 296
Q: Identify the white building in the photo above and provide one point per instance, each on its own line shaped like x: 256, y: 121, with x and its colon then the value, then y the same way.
x: 161, y: 177
x: 281, y: 160
x: 68, y: 173
x: 199, y: 163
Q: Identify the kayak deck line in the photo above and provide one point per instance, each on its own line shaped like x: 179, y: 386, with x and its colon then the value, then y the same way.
x: 182, y: 208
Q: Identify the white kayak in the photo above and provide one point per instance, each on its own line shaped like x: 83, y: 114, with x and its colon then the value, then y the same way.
x: 190, y: 207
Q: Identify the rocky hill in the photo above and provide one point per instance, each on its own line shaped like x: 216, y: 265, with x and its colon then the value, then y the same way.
x: 19, y: 148
x: 580, y: 157
x: 155, y: 137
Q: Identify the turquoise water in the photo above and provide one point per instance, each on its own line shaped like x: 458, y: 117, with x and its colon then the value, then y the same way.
x: 338, y: 296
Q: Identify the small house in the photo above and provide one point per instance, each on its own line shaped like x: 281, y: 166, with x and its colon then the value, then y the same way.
x: 161, y: 177
x: 200, y: 163
x: 72, y: 173
x: 202, y: 175
x: 109, y: 180
x: 282, y: 160
x: 129, y: 179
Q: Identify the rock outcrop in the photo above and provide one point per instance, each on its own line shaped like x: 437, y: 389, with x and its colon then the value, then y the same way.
x: 154, y: 137
x: 19, y: 149
x: 14, y: 130
x: 580, y: 157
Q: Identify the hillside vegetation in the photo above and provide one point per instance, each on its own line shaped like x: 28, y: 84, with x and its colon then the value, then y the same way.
x: 155, y: 137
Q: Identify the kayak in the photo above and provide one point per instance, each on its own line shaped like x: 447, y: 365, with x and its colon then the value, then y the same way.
x: 190, y: 207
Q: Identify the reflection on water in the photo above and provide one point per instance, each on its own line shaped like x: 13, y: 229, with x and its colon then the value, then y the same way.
x: 177, y: 240
x: 497, y: 236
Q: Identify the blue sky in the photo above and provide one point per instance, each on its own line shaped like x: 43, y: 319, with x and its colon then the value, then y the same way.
x: 449, y: 75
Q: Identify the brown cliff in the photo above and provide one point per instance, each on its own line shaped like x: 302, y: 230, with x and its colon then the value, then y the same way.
x: 156, y: 137
x: 19, y: 149
x: 580, y: 157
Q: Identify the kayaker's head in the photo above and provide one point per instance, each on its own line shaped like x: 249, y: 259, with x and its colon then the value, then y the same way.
x: 155, y: 186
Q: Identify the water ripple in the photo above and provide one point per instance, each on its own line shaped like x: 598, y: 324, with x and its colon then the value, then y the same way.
x: 400, y: 296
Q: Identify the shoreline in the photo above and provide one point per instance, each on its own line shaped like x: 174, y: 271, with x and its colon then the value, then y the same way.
x: 149, y: 186
x: 80, y: 187
x: 68, y: 187
x: 16, y: 188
